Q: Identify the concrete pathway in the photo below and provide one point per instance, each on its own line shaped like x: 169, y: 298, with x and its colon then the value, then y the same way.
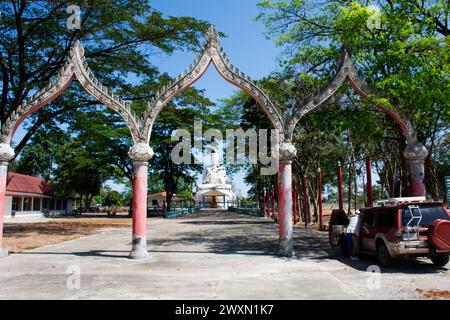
x: 217, y: 255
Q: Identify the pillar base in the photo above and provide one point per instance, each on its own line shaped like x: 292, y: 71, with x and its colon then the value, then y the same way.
x: 285, y: 247
x: 139, y: 250
x: 3, y: 253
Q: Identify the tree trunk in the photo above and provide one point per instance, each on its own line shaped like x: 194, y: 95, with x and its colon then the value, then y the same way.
x: 169, y: 196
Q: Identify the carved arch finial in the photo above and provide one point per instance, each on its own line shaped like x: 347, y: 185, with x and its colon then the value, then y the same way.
x: 212, y: 34
x: 212, y: 52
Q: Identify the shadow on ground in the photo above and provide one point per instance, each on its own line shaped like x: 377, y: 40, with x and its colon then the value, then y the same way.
x: 237, y: 234
x: 231, y: 234
x: 121, y: 254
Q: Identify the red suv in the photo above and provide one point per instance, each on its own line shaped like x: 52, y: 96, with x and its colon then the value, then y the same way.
x: 397, y: 229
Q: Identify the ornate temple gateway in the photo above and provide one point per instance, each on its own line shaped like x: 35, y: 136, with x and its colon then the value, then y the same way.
x: 215, y: 192
x: 140, y: 126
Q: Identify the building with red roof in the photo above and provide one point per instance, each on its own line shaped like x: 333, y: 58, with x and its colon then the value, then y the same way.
x: 31, y: 196
x: 157, y: 201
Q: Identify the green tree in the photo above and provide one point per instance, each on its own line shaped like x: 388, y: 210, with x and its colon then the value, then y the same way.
x: 38, y: 157
x: 119, y: 36
x: 405, y: 58
x: 113, y: 199
x: 78, y: 172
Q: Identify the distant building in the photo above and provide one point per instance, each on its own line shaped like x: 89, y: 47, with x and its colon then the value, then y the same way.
x: 31, y: 196
x: 157, y: 201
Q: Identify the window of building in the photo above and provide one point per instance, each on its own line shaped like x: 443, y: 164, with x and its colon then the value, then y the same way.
x: 27, y: 204
x: 16, y: 204
x: 52, y: 204
x: 154, y: 202
x: 36, y: 204
x: 58, y: 204
x: 64, y: 204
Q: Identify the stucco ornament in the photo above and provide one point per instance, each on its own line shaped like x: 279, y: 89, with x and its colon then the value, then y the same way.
x: 75, y: 68
x: 415, y: 152
x: 6, y: 152
x: 212, y: 53
x: 287, y: 151
x: 345, y: 72
x: 141, y: 152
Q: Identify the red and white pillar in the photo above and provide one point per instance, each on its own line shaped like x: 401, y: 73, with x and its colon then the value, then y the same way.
x: 294, y: 196
x: 140, y: 154
x: 285, y: 205
x: 265, y: 209
x: 340, y: 196
x: 319, y: 187
x: 272, y: 213
x: 415, y: 154
x: 369, y: 182
x: 6, y: 154
x: 305, y: 201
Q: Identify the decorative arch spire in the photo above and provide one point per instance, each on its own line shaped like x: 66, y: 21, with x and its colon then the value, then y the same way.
x: 346, y: 71
x: 211, y: 52
x: 75, y: 67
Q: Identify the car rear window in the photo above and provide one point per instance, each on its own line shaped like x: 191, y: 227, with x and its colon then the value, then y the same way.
x: 430, y: 212
x: 386, y: 217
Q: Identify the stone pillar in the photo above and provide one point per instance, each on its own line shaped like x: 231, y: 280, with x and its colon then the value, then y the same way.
x: 415, y: 154
x: 140, y: 153
x: 6, y: 154
x: 287, y: 154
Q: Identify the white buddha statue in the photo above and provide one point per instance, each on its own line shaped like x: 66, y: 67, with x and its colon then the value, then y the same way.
x: 216, y: 174
x: 214, y: 192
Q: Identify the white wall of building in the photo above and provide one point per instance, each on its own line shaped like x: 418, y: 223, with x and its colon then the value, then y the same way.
x: 33, y: 212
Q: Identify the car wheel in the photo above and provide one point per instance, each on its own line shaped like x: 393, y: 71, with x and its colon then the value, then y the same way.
x: 383, y: 255
x: 440, y: 259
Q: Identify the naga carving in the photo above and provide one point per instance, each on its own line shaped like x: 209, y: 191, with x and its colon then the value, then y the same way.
x: 75, y: 67
x: 346, y: 71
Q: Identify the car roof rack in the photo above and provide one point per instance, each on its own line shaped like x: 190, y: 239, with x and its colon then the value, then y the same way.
x: 400, y: 200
